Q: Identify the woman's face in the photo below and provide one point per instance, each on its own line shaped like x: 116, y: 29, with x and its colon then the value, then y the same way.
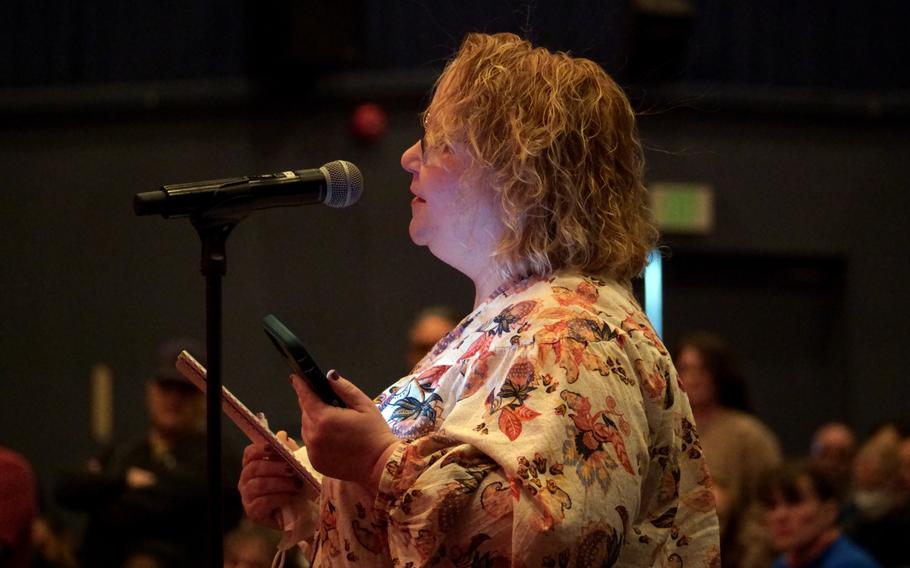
x: 452, y: 214
x: 796, y: 527
x: 173, y: 407
x: 696, y: 378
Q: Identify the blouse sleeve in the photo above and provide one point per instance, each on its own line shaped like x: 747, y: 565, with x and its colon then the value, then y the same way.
x: 539, y: 462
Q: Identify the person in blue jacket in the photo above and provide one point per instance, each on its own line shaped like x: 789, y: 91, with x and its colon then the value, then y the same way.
x: 801, y: 512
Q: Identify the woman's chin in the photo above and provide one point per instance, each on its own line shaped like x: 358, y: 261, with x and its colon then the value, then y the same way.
x: 417, y: 234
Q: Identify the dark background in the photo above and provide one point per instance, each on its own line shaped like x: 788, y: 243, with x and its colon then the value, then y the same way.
x: 796, y: 115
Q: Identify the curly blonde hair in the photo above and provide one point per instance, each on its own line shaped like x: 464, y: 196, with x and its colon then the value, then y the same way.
x: 555, y: 138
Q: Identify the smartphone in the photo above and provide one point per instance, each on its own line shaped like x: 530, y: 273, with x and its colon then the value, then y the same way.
x: 299, y: 359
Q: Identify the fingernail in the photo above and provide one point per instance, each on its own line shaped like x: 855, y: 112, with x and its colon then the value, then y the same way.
x: 333, y: 375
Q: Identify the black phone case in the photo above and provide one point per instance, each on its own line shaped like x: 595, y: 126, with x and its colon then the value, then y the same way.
x: 299, y: 359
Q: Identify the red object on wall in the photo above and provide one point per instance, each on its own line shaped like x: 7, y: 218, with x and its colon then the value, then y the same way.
x: 369, y: 122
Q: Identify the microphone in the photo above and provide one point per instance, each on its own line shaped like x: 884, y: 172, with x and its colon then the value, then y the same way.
x: 336, y: 184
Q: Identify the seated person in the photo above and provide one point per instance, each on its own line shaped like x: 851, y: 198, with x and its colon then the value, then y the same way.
x: 738, y: 447
x: 878, y: 514
x: 430, y: 325
x: 147, y: 496
x: 801, y: 513
x: 18, y: 508
x: 833, y: 450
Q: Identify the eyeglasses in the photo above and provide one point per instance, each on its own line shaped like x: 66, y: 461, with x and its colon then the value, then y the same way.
x: 423, y: 141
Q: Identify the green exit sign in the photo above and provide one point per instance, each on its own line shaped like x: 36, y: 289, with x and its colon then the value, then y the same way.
x: 680, y: 207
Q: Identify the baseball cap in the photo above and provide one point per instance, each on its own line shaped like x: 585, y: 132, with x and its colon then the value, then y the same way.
x: 165, y: 372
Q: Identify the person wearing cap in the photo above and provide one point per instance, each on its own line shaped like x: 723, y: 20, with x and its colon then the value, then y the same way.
x: 149, y: 492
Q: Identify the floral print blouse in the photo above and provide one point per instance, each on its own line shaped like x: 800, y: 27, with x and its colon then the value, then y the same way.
x: 548, y: 429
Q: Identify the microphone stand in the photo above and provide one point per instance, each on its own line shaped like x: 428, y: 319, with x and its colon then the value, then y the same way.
x: 213, y: 228
x: 339, y: 184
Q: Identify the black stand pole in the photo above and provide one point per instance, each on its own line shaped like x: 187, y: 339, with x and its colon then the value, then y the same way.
x: 214, y: 234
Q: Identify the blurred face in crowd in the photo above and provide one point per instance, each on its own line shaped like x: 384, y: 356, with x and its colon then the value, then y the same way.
x: 424, y: 335
x: 797, y: 525
x: 833, y: 449
x: 876, y: 464
x: 696, y: 378
x: 174, y: 407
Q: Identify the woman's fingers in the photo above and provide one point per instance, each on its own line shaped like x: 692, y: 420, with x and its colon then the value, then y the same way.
x: 287, y: 440
x: 262, y: 496
x: 344, y: 443
x: 348, y: 392
x: 256, y: 487
x: 308, y: 400
x: 269, y: 469
x: 262, y: 509
x: 266, y: 483
x: 257, y: 452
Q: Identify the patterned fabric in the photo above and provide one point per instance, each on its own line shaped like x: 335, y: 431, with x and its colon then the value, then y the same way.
x: 548, y: 429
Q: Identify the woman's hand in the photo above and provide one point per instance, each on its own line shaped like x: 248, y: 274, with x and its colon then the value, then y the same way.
x: 266, y: 484
x: 351, y: 443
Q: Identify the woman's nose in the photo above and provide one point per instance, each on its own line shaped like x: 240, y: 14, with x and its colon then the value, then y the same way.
x: 410, y: 159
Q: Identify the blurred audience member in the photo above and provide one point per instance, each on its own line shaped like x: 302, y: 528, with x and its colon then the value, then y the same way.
x: 801, y: 511
x: 430, y: 325
x: 54, y: 543
x: 18, y: 508
x: 832, y: 452
x: 880, y: 520
x: 147, y: 498
x: 254, y: 546
x: 875, y: 474
x: 155, y: 554
x: 903, y: 478
x: 738, y: 448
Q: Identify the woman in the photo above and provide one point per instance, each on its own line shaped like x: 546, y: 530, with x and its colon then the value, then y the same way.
x: 740, y: 449
x: 801, y: 511
x: 548, y: 427
x: 877, y: 515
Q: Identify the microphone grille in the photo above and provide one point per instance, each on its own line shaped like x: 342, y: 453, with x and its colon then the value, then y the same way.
x: 344, y: 183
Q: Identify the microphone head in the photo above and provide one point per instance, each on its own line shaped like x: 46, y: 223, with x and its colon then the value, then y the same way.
x: 344, y: 183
